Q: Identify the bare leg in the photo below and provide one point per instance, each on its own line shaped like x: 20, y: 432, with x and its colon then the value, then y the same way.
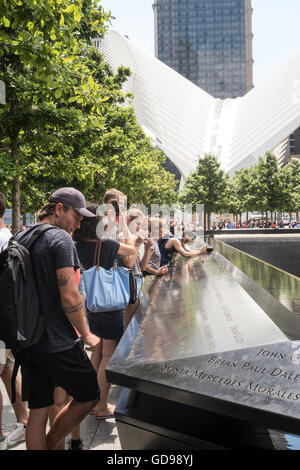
x: 67, y: 420
x: 36, y: 429
x: 19, y: 406
x: 61, y: 398
x: 76, y: 433
x: 60, y: 401
x: 103, y: 408
x: 96, y: 357
x: 129, y: 312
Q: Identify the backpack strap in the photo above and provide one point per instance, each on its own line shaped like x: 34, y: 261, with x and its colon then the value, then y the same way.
x: 22, y: 358
x: 37, y: 232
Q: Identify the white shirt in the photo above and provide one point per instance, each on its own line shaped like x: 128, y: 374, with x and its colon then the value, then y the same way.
x: 5, y: 235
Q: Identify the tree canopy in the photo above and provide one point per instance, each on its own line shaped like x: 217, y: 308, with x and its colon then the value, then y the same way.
x: 206, y: 185
x: 66, y: 120
x: 262, y: 187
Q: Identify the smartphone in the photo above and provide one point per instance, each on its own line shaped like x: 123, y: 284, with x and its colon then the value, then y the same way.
x: 209, y: 249
x: 115, y: 204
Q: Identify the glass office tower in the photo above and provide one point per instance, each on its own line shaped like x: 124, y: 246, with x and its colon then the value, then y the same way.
x: 207, y: 41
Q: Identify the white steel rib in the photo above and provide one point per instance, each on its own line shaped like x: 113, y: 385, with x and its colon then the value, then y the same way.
x: 186, y: 122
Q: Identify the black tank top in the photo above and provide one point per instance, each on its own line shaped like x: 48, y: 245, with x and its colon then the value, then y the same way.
x: 167, y: 254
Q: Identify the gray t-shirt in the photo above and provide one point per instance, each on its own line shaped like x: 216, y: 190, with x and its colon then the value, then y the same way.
x: 136, y: 269
x: 53, y: 250
x: 154, y: 261
x: 5, y: 235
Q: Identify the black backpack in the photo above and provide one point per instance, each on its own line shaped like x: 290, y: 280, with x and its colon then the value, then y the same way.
x: 21, y: 321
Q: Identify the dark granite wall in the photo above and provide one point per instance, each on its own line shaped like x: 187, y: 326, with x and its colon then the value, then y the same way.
x: 282, y: 252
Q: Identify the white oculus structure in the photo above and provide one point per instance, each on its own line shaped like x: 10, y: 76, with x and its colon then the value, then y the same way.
x: 186, y: 122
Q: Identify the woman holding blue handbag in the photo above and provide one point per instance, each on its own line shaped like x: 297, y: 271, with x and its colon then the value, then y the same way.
x: 108, y: 325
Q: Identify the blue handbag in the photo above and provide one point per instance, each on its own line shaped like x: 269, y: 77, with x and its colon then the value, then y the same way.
x: 106, y: 290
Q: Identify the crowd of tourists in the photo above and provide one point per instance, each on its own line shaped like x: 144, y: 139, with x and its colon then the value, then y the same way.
x: 254, y: 223
x: 61, y: 383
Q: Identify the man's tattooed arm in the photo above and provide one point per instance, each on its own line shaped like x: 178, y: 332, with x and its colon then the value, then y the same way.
x: 63, y: 280
x: 74, y: 308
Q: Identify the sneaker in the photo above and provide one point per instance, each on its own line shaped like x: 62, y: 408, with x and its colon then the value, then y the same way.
x: 3, y: 443
x: 75, y: 445
x: 16, y: 435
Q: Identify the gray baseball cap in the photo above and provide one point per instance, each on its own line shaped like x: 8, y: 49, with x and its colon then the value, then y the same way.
x: 71, y: 197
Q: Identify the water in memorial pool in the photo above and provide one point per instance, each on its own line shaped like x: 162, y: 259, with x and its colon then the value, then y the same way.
x: 293, y: 441
x: 280, y: 251
x: 282, y: 285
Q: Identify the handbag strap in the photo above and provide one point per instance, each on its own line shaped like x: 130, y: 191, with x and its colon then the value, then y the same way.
x: 97, y: 254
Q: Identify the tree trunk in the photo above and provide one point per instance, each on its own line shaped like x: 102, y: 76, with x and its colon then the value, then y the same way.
x: 208, y: 220
x: 278, y: 217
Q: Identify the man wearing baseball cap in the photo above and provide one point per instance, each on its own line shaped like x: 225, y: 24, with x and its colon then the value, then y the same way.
x: 59, y: 358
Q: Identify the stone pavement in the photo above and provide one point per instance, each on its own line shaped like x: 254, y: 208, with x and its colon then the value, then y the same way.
x: 96, y: 435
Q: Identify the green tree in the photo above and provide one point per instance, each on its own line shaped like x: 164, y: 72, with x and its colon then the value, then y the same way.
x: 244, y: 182
x: 290, y: 179
x: 267, y: 184
x: 206, y: 185
x: 67, y: 121
x: 232, y: 198
x: 107, y: 150
x: 39, y: 60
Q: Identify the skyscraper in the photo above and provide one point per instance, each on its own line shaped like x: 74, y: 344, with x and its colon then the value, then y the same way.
x: 207, y: 41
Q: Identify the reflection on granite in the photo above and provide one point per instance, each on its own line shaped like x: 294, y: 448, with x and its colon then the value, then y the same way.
x: 281, y: 285
x: 209, y: 335
x: 198, y: 308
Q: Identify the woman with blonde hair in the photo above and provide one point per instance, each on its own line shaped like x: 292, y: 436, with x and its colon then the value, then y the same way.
x: 137, y: 224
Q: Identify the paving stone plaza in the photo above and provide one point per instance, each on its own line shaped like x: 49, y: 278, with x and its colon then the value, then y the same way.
x: 96, y: 435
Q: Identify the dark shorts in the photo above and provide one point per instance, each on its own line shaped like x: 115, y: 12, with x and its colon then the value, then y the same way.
x: 72, y: 370
x: 107, y: 325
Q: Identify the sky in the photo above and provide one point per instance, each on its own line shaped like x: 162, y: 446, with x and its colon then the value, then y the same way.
x: 275, y: 26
